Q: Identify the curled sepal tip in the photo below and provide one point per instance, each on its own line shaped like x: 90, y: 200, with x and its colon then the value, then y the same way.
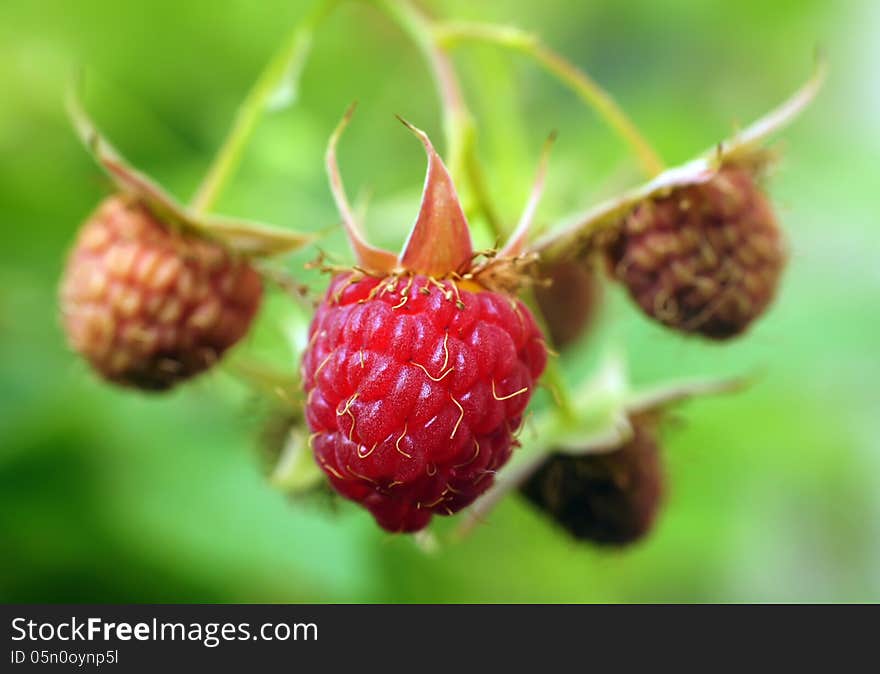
x: 753, y: 135
x: 440, y: 240
x: 743, y: 148
x: 374, y: 259
x: 570, y: 238
x: 124, y: 175
x: 245, y: 237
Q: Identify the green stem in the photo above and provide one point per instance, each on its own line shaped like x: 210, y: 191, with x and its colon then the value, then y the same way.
x: 553, y: 377
x: 285, y: 67
x: 555, y: 380
x: 458, y: 122
x: 567, y: 73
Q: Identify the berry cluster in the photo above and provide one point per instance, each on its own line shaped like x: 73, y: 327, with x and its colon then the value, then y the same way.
x: 419, y: 366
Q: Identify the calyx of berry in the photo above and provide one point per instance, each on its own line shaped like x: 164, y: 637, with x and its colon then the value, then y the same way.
x: 242, y: 236
x: 439, y: 243
x: 744, y: 149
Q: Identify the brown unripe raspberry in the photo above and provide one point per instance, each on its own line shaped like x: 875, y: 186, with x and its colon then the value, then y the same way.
x: 148, y: 305
x: 568, y: 300
x: 704, y: 259
x: 610, y: 498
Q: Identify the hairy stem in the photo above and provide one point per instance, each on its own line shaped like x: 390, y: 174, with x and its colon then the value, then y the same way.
x: 567, y: 73
x: 285, y: 68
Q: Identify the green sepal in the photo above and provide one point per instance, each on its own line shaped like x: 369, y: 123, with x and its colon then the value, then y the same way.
x: 744, y: 148
x: 245, y: 237
x: 601, y: 423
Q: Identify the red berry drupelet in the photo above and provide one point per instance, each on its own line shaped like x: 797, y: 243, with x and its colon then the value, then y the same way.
x: 419, y: 367
x: 148, y: 305
x: 415, y: 389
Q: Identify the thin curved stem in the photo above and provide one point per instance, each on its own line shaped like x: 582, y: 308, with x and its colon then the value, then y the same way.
x: 458, y: 122
x: 567, y: 73
x: 555, y: 381
x: 285, y: 68
x: 553, y: 378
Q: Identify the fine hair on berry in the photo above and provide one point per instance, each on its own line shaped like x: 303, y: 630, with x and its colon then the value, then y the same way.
x: 415, y: 390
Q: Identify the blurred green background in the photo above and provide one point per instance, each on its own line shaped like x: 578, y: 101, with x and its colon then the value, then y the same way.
x: 111, y: 496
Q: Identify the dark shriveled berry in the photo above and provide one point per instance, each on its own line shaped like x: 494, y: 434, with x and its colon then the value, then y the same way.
x: 609, y: 499
x: 149, y: 306
x: 705, y: 259
x: 415, y: 389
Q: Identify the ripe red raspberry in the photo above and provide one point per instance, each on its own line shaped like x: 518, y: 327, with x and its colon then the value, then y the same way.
x: 569, y: 300
x: 149, y: 305
x: 415, y: 388
x: 705, y: 259
x: 611, y: 498
x: 419, y: 366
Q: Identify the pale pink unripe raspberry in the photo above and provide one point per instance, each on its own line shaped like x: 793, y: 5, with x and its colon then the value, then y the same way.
x: 148, y: 304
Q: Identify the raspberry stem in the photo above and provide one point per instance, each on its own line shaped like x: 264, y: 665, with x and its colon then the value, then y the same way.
x: 601, y: 424
x: 458, y: 121
x: 280, y: 76
x: 553, y: 378
x: 742, y: 148
x: 567, y: 73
